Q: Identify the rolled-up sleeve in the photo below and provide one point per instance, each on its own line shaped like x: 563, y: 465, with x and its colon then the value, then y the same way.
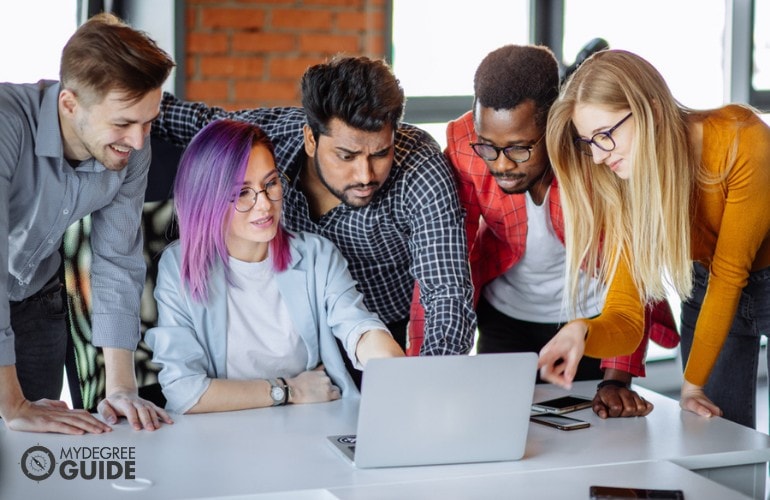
x: 176, y: 348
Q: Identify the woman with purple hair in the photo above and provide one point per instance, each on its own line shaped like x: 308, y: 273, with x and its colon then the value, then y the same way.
x: 248, y: 312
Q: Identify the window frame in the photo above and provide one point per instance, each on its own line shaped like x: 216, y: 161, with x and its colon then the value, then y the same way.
x: 547, y: 28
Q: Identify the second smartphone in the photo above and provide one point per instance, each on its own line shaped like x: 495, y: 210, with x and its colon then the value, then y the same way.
x: 559, y: 421
x: 562, y: 405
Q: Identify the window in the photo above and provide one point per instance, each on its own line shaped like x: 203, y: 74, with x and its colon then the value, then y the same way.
x: 435, y: 61
x: 691, y: 64
x: 760, y: 68
x: 437, y: 47
x: 32, y: 35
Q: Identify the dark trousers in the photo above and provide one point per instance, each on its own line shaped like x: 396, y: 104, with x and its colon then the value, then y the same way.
x: 732, y: 385
x: 40, y: 340
x: 499, y: 332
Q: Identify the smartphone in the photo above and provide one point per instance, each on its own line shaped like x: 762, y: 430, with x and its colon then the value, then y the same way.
x: 560, y: 421
x: 564, y: 404
x: 611, y: 492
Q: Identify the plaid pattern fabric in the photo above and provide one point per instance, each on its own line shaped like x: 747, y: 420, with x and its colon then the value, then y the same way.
x: 496, y: 227
x: 411, y: 230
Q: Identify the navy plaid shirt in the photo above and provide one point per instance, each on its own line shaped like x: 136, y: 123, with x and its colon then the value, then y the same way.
x: 413, y: 229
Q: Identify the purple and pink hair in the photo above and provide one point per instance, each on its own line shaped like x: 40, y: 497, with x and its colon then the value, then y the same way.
x: 210, y: 175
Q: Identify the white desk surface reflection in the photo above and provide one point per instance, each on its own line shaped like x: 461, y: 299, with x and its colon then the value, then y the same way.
x: 262, y: 453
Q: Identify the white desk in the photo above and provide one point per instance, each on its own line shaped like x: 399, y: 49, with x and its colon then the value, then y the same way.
x: 281, y: 449
x: 562, y: 484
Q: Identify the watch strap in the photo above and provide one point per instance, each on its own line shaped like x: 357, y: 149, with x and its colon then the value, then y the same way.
x: 286, y: 390
x: 613, y: 383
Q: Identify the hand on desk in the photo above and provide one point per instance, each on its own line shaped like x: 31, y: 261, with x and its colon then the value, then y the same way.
x: 312, y: 386
x: 613, y: 401
x: 140, y: 413
x: 47, y: 415
x: 694, y: 399
x: 559, y: 358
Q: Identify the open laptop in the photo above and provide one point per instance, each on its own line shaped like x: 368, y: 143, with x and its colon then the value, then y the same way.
x: 442, y: 410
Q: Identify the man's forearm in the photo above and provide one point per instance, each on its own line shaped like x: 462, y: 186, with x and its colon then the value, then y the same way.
x: 450, y: 327
x: 620, y: 375
x: 11, y: 396
x: 119, y: 367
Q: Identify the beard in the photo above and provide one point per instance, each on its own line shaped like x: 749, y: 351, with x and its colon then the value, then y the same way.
x: 103, y: 154
x: 344, y: 194
x: 521, y: 189
x: 524, y: 187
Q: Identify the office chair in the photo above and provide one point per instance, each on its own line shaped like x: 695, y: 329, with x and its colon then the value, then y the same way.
x: 592, y: 47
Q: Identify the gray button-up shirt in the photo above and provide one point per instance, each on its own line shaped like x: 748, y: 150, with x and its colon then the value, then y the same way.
x: 41, y: 195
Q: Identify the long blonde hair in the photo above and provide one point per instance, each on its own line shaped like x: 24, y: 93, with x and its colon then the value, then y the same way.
x: 645, y: 220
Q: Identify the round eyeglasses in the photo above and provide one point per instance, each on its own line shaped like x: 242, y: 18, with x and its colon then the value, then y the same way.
x: 517, y: 154
x: 602, y: 140
x: 247, y: 196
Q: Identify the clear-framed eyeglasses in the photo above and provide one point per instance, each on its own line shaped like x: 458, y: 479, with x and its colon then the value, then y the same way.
x: 602, y: 140
x: 518, y: 154
x: 247, y: 196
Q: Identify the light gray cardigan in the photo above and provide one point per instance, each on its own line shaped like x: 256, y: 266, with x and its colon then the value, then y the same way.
x: 190, y: 341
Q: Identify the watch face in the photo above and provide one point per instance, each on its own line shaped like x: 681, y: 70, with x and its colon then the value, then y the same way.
x: 277, y: 393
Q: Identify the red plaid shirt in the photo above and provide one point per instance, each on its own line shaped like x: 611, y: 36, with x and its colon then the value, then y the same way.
x: 496, y: 225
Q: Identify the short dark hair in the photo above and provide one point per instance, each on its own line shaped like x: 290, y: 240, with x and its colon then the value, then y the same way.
x: 364, y: 93
x: 513, y: 74
x: 106, y: 54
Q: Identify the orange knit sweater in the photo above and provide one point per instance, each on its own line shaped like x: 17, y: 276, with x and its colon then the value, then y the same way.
x: 730, y: 236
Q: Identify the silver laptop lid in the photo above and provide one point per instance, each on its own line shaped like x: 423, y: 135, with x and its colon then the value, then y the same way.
x: 445, y: 409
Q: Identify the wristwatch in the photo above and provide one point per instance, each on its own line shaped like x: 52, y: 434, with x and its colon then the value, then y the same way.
x: 279, y: 391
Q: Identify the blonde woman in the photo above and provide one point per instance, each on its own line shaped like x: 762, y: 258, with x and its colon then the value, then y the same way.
x: 657, y: 195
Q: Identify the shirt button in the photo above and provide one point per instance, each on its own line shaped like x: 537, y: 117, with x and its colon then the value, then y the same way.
x: 66, y: 211
x: 50, y: 242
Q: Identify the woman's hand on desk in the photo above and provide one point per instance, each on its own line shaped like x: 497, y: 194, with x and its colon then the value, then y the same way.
x: 312, y: 386
x: 694, y: 399
x: 559, y: 358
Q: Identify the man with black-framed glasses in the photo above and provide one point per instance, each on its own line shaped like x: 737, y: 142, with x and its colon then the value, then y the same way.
x: 514, y: 222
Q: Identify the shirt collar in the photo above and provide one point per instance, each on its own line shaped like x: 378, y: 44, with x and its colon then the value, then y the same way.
x: 48, y: 142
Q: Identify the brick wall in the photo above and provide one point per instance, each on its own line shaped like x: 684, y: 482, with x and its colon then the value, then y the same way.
x: 248, y: 53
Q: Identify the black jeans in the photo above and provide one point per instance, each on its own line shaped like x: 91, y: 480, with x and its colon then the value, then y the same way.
x: 40, y: 340
x: 501, y: 333
x: 732, y: 385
